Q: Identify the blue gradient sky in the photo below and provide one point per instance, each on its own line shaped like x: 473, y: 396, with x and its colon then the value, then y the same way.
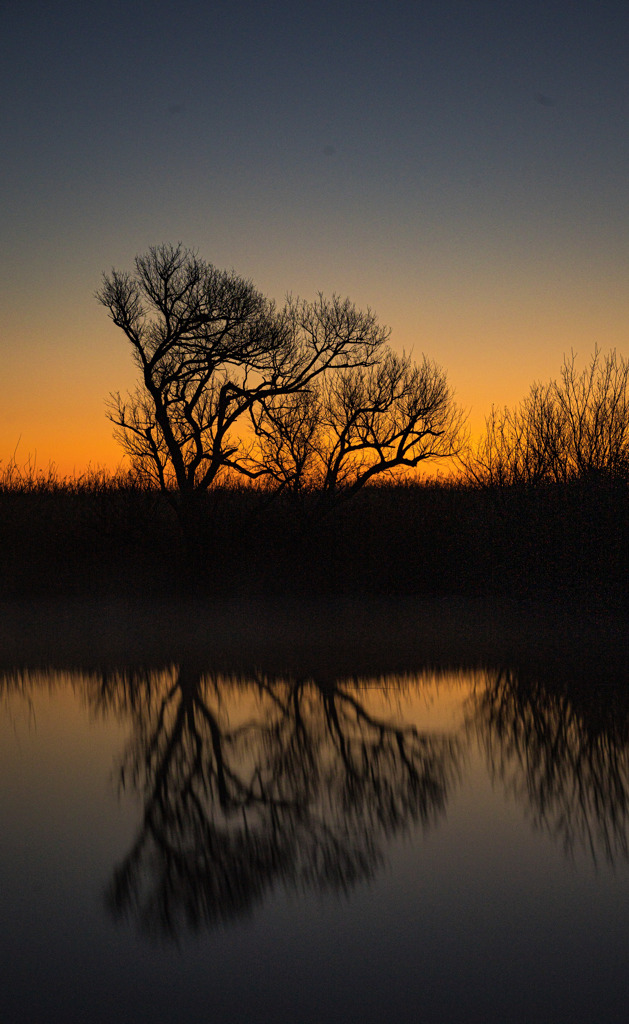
x: 462, y: 167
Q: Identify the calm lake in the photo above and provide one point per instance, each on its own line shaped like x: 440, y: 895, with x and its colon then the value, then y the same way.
x: 333, y: 812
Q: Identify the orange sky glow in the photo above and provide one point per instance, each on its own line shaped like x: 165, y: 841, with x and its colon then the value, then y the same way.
x: 460, y: 168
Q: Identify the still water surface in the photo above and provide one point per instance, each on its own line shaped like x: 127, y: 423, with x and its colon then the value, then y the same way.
x: 182, y: 841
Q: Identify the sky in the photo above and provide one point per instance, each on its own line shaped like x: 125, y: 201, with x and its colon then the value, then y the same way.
x: 460, y: 167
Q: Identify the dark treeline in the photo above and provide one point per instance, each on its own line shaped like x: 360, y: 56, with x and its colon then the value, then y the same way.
x: 111, y: 535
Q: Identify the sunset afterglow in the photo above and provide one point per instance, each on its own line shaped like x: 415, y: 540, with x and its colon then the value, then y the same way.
x: 459, y: 167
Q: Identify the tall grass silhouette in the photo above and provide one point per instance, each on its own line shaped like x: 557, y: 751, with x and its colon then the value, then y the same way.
x: 112, y: 533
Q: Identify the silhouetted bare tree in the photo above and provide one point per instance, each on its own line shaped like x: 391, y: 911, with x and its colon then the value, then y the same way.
x: 209, y: 347
x: 568, y: 429
x: 329, y: 403
x: 355, y: 423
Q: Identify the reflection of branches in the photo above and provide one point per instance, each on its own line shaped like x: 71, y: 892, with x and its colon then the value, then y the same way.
x: 563, y: 754
x: 245, y: 786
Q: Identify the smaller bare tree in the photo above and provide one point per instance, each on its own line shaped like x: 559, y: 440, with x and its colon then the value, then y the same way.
x: 568, y: 429
x: 355, y: 423
x: 593, y: 408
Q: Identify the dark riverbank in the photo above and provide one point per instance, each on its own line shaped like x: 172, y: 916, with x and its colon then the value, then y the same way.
x: 436, y: 540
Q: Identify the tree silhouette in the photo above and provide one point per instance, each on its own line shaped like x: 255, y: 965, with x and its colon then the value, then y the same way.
x: 569, y: 429
x: 355, y: 424
x: 307, y: 394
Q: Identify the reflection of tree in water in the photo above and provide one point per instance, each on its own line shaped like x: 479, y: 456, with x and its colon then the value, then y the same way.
x: 562, y: 750
x: 247, y: 786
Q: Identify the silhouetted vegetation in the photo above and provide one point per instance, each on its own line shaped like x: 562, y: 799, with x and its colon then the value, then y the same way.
x: 572, y: 429
x: 306, y: 396
x: 540, y: 509
x: 104, y: 534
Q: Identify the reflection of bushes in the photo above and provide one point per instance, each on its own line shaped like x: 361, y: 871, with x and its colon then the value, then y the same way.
x: 412, y: 538
x: 562, y: 749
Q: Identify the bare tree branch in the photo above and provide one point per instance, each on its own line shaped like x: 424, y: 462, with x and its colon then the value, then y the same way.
x: 309, y: 395
x: 569, y: 429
